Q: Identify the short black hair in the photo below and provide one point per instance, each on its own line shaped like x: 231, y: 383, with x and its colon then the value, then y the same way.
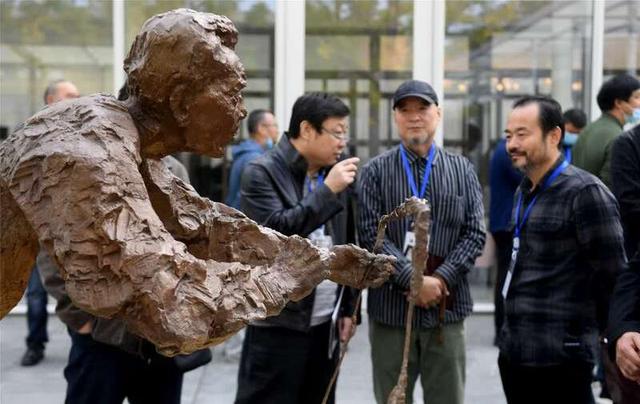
x: 619, y: 87
x: 52, y: 88
x: 550, y: 115
x: 255, y: 119
x: 575, y: 116
x: 315, y: 108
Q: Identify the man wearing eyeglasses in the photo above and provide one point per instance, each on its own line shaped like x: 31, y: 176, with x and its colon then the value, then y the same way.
x: 418, y: 167
x: 301, y: 187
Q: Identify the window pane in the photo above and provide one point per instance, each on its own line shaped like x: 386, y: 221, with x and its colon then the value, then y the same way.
x: 498, y: 51
x: 360, y: 51
x: 41, y: 43
x: 622, y: 38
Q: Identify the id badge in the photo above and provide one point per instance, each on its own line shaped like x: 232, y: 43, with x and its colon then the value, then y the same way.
x: 333, y: 332
x: 507, y: 282
x: 512, y: 266
x: 409, y: 243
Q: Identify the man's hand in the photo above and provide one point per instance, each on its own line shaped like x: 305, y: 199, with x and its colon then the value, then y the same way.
x: 431, y: 292
x: 346, y: 329
x: 627, y: 355
x: 342, y: 175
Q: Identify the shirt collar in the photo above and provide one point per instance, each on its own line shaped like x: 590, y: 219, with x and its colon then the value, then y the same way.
x: 413, y: 157
x: 607, y: 115
x: 526, y: 182
x: 297, y: 163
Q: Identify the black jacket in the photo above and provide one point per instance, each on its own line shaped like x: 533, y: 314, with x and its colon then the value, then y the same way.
x: 624, y: 310
x: 625, y: 184
x: 272, y: 195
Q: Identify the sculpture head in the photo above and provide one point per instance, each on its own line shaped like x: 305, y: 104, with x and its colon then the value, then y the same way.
x: 184, y: 82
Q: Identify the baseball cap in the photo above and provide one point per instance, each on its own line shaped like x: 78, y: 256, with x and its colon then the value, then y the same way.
x: 415, y: 88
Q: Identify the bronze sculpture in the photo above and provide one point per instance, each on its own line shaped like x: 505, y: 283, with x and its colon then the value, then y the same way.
x: 83, y: 179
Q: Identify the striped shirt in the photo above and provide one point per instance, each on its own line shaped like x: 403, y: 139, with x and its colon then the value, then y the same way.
x: 457, y: 231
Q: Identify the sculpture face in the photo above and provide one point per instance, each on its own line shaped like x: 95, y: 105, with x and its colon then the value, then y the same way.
x: 216, y: 109
x: 185, y: 76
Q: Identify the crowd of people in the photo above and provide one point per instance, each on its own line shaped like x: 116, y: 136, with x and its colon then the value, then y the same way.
x: 564, y: 215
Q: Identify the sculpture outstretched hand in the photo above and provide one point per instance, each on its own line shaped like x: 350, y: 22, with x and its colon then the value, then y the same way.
x: 83, y: 179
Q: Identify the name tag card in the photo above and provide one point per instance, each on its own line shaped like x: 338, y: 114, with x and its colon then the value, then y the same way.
x: 409, y: 243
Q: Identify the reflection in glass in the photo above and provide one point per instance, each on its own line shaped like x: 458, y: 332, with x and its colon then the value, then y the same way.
x: 41, y: 43
x: 622, y: 38
x: 499, y: 51
x: 360, y: 51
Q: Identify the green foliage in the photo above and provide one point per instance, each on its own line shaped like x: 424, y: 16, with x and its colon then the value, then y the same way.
x: 89, y: 22
x: 481, y: 19
x: 59, y: 22
x: 369, y: 14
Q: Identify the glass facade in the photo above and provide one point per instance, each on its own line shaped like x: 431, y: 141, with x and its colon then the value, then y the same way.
x: 43, y: 41
x: 496, y: 52
x: 621, y: 38
x: 361, y: 51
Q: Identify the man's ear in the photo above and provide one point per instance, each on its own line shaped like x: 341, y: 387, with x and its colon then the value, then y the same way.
x: 556, y: 135
x: 617, y: 104
x: 306, y: 130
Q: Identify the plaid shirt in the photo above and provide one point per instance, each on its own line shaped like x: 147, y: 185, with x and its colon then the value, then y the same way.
x: 457, y: 231
x: 571, y: 247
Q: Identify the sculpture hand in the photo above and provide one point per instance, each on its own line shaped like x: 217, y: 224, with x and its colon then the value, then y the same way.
x: 353, y: 266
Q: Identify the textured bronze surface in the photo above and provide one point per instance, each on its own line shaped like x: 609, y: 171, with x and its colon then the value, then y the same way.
x: 131, y: 240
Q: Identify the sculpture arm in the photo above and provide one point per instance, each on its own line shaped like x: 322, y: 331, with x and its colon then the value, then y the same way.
x: 92, y: 213
x: 212, y: 230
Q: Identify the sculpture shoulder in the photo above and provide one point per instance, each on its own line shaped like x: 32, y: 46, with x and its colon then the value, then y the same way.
x: 92, y: 127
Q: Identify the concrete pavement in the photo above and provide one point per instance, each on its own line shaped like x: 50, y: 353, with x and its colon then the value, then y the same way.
x: 216, y: 383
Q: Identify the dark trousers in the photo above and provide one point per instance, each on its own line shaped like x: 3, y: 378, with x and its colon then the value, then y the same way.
x: 568, y: 383
x: 283, y: 366
x: 503, y: 240
x: 36, y: 312
x: 98, y: 373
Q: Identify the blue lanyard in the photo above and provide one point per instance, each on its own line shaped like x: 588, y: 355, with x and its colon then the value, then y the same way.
x: 567, y: 154
x: 427, y: 171
x: 516, y: 238
x: 319, y: 182
x: 547, y: 183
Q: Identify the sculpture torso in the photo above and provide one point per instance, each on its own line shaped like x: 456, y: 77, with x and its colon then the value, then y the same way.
x: 69, y: 148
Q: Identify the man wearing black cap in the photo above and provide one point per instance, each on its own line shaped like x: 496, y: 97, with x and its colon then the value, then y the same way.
x: 418, y: 167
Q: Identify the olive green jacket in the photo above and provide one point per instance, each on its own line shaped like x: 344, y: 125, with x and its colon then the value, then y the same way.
x: 592, y: 152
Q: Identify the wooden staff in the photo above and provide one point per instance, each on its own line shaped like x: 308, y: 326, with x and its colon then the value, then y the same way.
x: 420, y: 210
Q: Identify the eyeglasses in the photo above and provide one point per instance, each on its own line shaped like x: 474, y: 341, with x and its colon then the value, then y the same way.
x: 341, y: 136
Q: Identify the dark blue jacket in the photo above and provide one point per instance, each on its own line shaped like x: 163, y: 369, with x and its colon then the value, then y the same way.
x: 503, y: 180
x: 242, y: 155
